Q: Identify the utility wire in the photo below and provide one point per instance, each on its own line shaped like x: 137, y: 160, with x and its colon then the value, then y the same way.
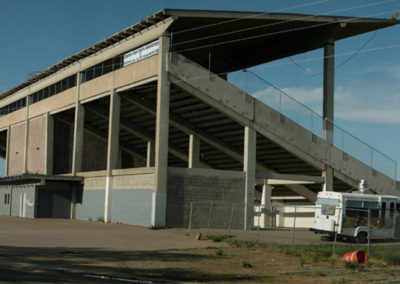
x: 283, y: 22
x: 341, y: 64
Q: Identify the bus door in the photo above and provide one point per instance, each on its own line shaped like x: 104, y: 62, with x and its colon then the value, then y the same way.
x: 397, y: 221
x: 386, y: 221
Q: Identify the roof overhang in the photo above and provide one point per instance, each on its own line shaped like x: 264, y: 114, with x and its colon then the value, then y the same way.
x: 228, y: 41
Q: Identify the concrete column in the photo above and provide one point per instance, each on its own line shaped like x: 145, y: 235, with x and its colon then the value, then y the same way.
x: 328, y: 105
x: 249, y: 167
x: 49, y: 144
x: 194, y: 151
x: 150, y: 154
x: 77, y: 150
x: 75, y: 188
x: 7, y: 151
x: 79, y: 123
x: 267, y: 204
x: 25, y: 166
x: 158, y: 216
x: 328, y: 179
x: 112, y: 150
x: 329, y: 83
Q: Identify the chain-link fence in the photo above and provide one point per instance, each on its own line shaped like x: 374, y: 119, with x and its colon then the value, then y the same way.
x: 298, y: 225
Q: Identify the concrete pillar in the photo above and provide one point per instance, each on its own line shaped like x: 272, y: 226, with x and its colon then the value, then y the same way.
x: 158, y: 216
x: 7, y: 151
x: 328, y: 106
x: 329, y: 82
x: 75, y: 188
x: 112, y: 150
x: 150, y: 154
x: 267, y: 205
x: 79, y: 123
x: 328, y: 179
x: 25, y: 166
x: 77, y: 149
x: 49, y: 144
x: 194, y: 151
x: 249, y: 167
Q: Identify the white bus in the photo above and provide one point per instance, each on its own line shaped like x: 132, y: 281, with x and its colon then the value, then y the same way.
x: 347, y: 215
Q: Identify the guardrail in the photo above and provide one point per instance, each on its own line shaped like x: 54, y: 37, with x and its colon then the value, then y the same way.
x: 280, y: 101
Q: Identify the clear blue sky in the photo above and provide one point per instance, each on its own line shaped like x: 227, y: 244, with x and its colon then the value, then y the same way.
x: 37, y: 34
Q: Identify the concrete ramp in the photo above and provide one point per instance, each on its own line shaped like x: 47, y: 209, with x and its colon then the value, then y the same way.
x: 293, y: 139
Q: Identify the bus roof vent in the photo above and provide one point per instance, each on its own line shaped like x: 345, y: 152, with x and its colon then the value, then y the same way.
x: 362, y: 186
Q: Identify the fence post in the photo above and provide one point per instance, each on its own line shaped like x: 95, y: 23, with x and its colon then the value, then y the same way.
x: 336, y: 232
x: 231, y: 219
x: 369, y: 231
x: 258, y: 226
x: 294, y: 226
x: 209, y: 217
x: 190, y: 218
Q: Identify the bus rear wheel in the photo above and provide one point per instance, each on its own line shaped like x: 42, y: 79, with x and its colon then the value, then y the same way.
x: 362, y: 238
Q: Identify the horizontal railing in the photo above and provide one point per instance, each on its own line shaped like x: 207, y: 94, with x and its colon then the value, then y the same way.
x: 280, y: 101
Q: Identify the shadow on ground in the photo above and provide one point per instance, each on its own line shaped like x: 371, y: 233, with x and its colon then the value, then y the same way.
x: 34, y: 261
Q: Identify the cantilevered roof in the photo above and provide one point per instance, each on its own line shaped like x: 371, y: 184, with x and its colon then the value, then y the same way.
x: 227, y: 41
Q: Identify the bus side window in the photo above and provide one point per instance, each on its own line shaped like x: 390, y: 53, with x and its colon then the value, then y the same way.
x: 391, y: 209
x: 374, y: 213
x: 383, y: 210
x: 398, y: 208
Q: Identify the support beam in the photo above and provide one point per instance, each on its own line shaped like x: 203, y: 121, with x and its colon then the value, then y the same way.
x: 49, y: 144
x: 150, y: 154
x: 130, y: 127
x: 188, y: 128
x: 249, y: 167
x: 328, y: 100
x: 112, y: 150
x: 159, y: 208
x: 194, y: 151
x: 287, y: 178
x: 7, y: 151
x: 328, y: 106
x: 104, y: 137
x: 77, y: 149
x: 266, y: 203
x: 25, y: 165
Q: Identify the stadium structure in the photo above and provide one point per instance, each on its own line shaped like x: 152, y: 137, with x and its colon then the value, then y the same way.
x: 138, y: 126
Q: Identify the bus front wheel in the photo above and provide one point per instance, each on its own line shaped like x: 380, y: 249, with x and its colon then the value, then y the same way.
x: 362, y: 238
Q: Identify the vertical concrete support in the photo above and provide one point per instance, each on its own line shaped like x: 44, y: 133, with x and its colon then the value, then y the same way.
x: 25, y: 166
x: 249, y: 167
x: 266, y: 204
x: 49, y: 144
x: 150, y: 154
x: 7, y: 151
x: 79, y: 125
x: 73, y: 201
x: 328, y: 105
x: 112, y: 150
x: 328, y: 179
x: 194, y: 151
x: 159, y: 206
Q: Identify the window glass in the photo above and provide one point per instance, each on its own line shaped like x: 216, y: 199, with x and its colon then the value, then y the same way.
x: 327, y: 201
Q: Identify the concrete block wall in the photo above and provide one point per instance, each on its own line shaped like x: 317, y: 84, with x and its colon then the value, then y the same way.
x: 90, y: 202
x: 36, y: 162
x: 132, y: 199
x: 94, y: 153
x: 214, y: 189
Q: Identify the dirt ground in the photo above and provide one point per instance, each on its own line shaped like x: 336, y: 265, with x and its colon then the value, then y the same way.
x: 58, y: 249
